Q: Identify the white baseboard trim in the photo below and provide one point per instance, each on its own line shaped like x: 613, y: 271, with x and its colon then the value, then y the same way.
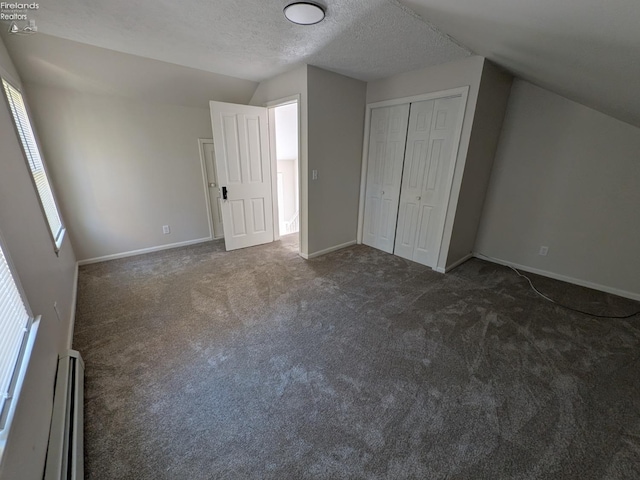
x: 74, y: 299
x: 141, y: 251
x: 319, y: 253
x: 564, y: 278
x: 454, y: 264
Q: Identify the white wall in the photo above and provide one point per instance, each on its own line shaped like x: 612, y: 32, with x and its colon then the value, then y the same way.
x: 288, y: 169
x: 46, y: 278
x: 565, y: 176
x: 336, y: 128
x: 467, y: 72
x: 287, y: 132
x: 283, y: 86
x: 123, y: 169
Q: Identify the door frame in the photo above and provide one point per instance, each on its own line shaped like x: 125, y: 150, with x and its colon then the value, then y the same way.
x: 271, y: 106
x: 463, y: 92
x: 205, y: 183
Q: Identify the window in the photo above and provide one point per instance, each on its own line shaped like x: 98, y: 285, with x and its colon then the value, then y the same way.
x: 34, y: 160
x: 15, y: 323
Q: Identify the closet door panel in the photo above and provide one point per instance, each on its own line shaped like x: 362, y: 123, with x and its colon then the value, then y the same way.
x: 385, y: 161
x: 417, y: 150
x: 436, y: 179
x: 426, y: 180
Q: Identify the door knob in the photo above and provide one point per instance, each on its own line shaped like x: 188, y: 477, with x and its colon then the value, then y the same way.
x: 212, y: 184
x: 418, y: 198
x: 224, y: 193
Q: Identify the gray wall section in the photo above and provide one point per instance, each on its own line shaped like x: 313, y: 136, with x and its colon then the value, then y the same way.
x: 495, y: 86
x: 565, y: 176
x: 336, y: 128
x: 123, y: 169
x: 45, y: 278
x: 431, y: 79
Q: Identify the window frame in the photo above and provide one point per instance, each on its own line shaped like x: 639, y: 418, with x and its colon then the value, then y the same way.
x: 59, y: 239
x: 7, y: 413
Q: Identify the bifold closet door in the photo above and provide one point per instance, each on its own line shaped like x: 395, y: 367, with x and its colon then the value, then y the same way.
x: 388, y: 134
x: 426, y: 181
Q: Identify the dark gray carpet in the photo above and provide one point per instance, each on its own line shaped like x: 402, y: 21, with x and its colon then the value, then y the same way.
x: 257, y: 364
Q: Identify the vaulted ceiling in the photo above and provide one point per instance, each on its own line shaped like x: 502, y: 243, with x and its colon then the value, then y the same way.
x: 586, y: 50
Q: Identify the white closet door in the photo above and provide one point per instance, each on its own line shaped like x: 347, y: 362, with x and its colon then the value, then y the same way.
x: 384, y: 171
x: 426, y: 180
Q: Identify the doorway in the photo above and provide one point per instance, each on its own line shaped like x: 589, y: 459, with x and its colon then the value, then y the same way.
x: 285, y: 131
x: 251, y: 173
x: 214, y: 212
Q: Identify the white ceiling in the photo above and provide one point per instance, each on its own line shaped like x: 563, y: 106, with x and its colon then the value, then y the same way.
x: 586, y: 50
x: 251, y: 39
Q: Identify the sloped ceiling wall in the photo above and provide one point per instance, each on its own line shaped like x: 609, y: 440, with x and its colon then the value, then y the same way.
x: 53, y: 61
x: 585, y: 50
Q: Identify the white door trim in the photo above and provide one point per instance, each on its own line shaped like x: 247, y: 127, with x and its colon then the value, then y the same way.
x: 283, y: 101
x: 453, y: 92
x: 205, y: 180
x: 271, y: 123
x: 459, y: 91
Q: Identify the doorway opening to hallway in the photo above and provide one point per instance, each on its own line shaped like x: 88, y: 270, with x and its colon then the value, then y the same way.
x: 285, y: 119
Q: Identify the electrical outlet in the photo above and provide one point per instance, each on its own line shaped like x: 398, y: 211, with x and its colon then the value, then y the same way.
x: 314, y: 174
x: 543, y: 251
x: 166, y: 229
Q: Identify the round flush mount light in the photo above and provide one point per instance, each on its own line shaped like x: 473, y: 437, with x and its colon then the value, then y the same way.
x: 304, y: 13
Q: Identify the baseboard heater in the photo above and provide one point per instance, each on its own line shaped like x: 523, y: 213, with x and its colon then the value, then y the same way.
x: 65, y: 454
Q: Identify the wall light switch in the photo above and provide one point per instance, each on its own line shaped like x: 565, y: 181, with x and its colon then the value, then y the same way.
x: 165, y: 229
x: 543, y: 251
x: 314, y: 174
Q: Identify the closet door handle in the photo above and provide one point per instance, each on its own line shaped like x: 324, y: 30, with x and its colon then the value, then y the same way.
x: 418, y: 198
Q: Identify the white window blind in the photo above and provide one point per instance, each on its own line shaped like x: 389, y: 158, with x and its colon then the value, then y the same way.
x: 14, y: 326
x: 32, y: 153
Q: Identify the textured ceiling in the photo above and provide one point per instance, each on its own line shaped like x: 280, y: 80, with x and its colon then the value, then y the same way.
x: 251, y: 39
x: 586, y: 50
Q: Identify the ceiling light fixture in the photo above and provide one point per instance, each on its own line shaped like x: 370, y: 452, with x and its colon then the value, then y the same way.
x: 304, y: 13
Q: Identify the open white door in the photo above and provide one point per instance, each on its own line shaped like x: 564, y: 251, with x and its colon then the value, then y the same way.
x: 241, y: 141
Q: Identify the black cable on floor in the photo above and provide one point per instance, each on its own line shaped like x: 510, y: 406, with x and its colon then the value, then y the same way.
x: 622, y: 317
